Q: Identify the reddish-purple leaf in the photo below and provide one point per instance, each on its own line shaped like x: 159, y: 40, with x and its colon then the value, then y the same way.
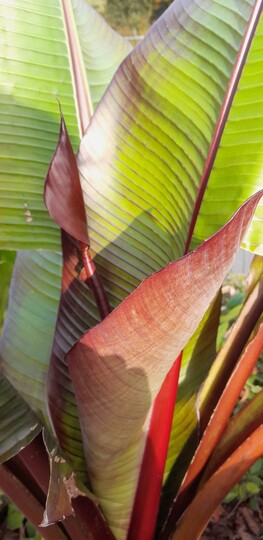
x: 216, y: 426
x: 64, y: 200
x: 63, y: 195
x: 118, y: 367
x: 239, y: 428
x: 229, y: 354
x: 208, y: 499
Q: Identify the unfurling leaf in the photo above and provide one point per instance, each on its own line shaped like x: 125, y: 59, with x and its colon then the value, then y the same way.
x: 63, y: 195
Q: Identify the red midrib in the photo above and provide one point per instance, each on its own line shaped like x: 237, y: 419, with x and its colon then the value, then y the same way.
x: 82, y: 98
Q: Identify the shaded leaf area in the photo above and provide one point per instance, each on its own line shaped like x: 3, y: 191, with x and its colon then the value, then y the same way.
x: 26, y: 341
x: 28, y: 97
x: 131, y: 351
x: 142, y: 524
x: 77, y: 312
x: 237, y: 170
x: 18, y: 424
x: 140, y: 185
x: 7, y: 259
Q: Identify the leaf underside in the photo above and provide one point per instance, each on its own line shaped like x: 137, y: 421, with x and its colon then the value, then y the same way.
x: 118, y: 366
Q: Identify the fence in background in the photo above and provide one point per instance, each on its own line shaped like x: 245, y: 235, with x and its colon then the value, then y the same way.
x: 242, y: 262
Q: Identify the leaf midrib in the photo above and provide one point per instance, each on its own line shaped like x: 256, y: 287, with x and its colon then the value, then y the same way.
x: 78, y: 73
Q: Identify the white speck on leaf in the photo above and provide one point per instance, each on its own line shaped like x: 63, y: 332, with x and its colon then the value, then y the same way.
x: 32, y: 428
x: 27, y: 213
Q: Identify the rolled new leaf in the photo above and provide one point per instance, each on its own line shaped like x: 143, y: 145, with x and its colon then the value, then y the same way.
x: 63, y: 195
x: 64, y: 201
x: 118, y: 367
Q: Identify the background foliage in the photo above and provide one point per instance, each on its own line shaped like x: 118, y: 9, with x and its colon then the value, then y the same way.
x: 131, y: 16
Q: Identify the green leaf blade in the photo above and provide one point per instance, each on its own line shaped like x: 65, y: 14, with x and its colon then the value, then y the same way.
x: 237, y: 170
x: 26, y: 341
x: 101, y: 56
x: 162, y: 107
x: 37, y: 71
x: 35, y: 74
x: 18, y: 424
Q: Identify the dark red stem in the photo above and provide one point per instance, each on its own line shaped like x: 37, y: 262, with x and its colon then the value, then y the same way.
x: 94, y: 282
x: 149, y: 487
x: 35, y: 459
x: 31, y: 469
x: 28, y: 504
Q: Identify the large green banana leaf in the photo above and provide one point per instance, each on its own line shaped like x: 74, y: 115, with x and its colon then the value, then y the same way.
x: 237, y: 169
x: 28, y: 332
x: 40, y: 65
x: 36, y: 71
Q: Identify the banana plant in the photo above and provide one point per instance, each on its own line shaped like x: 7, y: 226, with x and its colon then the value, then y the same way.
x: 114, y: 403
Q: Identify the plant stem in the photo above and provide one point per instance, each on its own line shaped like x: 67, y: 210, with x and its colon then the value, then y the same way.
x: 146, y: 504
x: 34, y: 457
x: 28, y: 504
x: 199, y: 512
x: 227, y: 357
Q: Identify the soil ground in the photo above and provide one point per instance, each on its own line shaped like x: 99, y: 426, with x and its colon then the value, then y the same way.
x: 236, y: 521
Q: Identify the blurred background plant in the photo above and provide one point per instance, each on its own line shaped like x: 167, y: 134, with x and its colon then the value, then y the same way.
x: 131, y: 17
x: 13, y: 525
